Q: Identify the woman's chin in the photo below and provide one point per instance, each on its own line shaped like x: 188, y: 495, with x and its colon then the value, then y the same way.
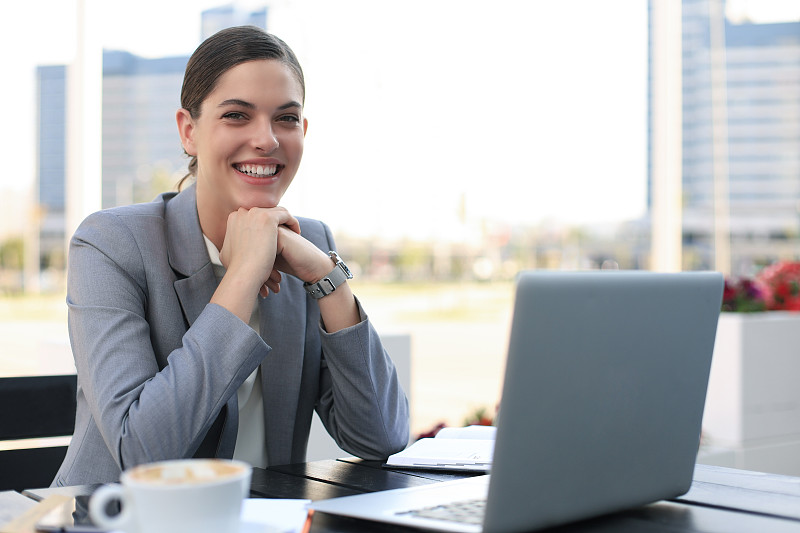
x: 262, y: 201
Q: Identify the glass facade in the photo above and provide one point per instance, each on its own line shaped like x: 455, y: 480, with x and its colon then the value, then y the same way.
x: 219, y: 18
x: 51, y: 160
x: 142, y: 154
x: 745, y: 130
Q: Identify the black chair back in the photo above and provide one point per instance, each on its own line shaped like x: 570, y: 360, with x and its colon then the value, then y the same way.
x: 31, y: 408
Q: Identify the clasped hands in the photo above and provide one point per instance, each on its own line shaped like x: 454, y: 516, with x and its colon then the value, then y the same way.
x: 260, y: 243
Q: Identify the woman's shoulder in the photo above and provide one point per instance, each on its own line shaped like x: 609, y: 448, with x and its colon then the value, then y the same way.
x: 119, y: 224
x: 154, y: 209
x: 133, y: 237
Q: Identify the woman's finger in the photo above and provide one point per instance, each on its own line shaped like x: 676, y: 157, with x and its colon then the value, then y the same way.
x: 275, y: 275
x: 270, y: 285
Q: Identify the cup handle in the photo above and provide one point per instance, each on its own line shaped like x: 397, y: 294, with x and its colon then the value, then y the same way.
x: 98, y: 504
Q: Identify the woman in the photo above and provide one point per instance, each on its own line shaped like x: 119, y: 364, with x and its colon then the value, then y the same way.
x: 189, y: 337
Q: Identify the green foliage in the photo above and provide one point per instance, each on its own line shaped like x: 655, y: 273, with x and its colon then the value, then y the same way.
x: 12, y: 253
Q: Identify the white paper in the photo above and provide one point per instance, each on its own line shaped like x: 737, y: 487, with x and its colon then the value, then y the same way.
x: 469, y: 432
x: 273, y: 515
x: 473, y: 454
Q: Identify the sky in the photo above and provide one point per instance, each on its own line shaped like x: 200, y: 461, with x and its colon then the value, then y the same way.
x: 513, y: 112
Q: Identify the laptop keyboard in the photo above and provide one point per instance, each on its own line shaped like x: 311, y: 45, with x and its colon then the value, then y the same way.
x: 465, y: 511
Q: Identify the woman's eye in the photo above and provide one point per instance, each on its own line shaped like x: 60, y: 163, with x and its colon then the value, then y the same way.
x: 289, y: 118
x: 234, y: 115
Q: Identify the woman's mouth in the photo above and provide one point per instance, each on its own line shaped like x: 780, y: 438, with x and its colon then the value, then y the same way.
x: 258, y: 171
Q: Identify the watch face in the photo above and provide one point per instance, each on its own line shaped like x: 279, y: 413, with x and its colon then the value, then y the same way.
x: 341, y: 264
x: 345, y: 269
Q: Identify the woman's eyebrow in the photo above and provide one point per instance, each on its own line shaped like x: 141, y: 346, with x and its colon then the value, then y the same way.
x: 287, y: 105
x: 248, y: 105
x: 236, y: 102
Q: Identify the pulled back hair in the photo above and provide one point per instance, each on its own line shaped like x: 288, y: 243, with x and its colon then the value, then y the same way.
x: 221, y: 52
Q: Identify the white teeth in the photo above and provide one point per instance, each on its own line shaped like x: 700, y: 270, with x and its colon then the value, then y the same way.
x: 258, y: 171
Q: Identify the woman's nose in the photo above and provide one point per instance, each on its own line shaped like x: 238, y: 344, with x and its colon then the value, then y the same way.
x: 265, y: 139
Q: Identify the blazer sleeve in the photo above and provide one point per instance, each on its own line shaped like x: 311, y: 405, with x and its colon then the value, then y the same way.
x: 362, y: 404
x: 146, y: 409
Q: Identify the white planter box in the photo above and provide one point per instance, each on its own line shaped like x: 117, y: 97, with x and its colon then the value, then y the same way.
x: 754, y: 389
x: 782, y: 458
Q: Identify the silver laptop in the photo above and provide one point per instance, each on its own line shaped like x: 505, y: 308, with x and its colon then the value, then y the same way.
x: 601, y: 407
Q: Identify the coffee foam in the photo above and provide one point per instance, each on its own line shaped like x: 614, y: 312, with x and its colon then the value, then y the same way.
x: 185, y: 472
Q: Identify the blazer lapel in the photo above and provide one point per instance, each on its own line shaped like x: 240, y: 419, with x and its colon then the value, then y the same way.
x: 194, y: 287
x: 188, y: 255
x: 282, y: 326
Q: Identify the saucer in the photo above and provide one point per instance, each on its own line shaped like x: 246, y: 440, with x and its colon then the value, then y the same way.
x: 273, y: 515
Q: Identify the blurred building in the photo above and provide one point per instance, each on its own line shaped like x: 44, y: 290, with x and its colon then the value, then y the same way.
x: 219, y: 18
x: 141, y: 150
x: 140, y: 147
x: 51, y: 162
x: 740, y: 134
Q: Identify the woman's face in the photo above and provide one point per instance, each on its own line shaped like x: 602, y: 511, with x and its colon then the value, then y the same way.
x: 248, y: 138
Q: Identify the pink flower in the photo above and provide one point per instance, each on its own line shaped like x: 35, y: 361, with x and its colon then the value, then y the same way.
x: 782, y: 280
x: 744, y: 295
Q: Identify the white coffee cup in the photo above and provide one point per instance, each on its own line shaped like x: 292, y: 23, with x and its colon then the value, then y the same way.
x: 197, y: 495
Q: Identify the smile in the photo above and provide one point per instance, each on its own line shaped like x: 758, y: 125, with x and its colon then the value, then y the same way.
x: 257, y: 171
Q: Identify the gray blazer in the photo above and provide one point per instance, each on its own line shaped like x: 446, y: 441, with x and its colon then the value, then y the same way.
x: 158, y: 365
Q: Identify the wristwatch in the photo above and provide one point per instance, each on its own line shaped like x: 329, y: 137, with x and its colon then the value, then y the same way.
x: 329, y: 283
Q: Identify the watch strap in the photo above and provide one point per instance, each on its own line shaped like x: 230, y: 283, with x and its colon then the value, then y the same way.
x: 329, y: 283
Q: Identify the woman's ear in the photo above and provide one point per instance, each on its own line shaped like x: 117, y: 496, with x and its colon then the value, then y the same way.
x: 305, y: 126
x: 186, y: 130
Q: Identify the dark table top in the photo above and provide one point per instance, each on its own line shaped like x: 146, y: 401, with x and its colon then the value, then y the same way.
x: 721, y: 500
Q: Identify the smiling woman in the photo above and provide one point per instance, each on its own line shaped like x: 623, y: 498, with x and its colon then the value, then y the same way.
x: 212, y: 322
x: 251, y: 130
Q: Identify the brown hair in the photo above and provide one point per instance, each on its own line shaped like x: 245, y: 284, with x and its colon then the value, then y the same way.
x: 221, y: 52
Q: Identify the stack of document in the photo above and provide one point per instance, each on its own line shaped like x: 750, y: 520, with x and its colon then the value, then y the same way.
x: 464, y: 449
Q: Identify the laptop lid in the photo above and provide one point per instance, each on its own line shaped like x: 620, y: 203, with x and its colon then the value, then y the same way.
x: 601, y: 407
x: 603, y: 396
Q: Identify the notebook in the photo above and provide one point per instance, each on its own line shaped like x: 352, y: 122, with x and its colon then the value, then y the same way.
x: 467, y: 449
x: 601, y: 408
